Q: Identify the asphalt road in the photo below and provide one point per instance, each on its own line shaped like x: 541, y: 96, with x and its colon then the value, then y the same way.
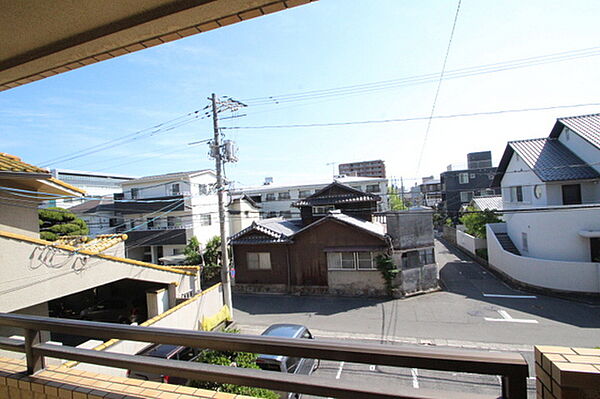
x: 401, y: 378
x: 474, y: 309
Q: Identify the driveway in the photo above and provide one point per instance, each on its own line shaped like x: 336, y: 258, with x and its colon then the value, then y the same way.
x: 475, y: 309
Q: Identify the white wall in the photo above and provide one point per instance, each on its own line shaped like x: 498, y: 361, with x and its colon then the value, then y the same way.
x: 468, y: 242
x: 519, y: 174
x: 15, y: 218
x: 558, y: 275
x: 554, y: 234
x: 581, y: 147
x: 35, y: 273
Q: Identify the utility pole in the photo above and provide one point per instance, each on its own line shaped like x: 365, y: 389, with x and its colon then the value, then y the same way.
x: 217, y: 152
x: 225, y: 273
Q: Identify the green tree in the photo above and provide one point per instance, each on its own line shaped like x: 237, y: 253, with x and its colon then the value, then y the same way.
x: 56, y: 222
x: 396, y: 201
x: 475, y: 222
x: 234, y: 359
x: 192, y: 253
x: 212, y: 251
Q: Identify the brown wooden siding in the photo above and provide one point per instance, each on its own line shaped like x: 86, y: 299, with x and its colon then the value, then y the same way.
x: 308, y: 259
x: 279, y: 269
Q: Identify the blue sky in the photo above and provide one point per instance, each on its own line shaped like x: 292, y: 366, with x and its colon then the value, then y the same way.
x: 327, y: 44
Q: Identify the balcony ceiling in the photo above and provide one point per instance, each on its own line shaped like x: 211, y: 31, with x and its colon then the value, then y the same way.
x: 44, y: 38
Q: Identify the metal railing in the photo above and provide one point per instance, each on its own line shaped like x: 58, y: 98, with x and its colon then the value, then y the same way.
x: 511, y: 367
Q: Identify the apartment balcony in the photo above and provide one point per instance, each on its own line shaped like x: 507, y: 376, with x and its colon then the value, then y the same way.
x: 33, y: 376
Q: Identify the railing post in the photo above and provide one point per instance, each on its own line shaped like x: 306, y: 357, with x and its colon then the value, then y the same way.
x: 35, y: 363
x: 514, y: 387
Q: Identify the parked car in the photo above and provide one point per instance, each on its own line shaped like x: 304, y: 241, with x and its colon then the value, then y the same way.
x: 163, y: 351
x: 287, y: 364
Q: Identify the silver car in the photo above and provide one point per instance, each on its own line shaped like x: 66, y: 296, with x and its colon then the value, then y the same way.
x: 287, y: 364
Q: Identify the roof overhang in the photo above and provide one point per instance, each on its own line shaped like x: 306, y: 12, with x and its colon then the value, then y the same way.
x: 43, y: 185
x: 44, y: 38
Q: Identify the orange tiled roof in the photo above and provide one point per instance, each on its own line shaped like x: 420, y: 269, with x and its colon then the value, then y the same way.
x: 11, y: 163
x: 97, y: 244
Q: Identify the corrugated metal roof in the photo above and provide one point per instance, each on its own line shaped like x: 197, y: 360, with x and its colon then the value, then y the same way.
x: 587, y: 126
x: 550, y: 160
x: 493, y: 202
x: 11, y: 163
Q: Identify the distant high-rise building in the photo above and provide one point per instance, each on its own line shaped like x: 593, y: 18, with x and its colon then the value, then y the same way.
x: 478, y: 160
x: 363, y: 169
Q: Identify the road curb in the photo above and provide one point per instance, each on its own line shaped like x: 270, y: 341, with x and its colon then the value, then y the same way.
x: 373, y: 338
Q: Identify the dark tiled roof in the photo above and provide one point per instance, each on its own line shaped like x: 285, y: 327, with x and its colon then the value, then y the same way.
x: 272, y: 230
x: 586, y: 126
x: 341, y: 194
x: 550, y: 160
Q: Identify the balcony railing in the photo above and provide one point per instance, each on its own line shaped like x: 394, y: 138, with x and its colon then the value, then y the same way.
x: 511, y: 367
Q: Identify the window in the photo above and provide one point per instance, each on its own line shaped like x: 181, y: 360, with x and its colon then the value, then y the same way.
x: 134, y: 193
x: 259, y: 260
x: 463, y: 178
x: 365, y: 260
x: 525, y: 242
x: 571, y: 194
x: 203, y: 189
x: 177, y: 251
x: 150, y: 222
x: 418, y: 258
x: 466, y: 196
x: 304, y: 193
x: 175, y: 189
x: 283, y: 196
x: 172, y: 221
x: 347, y: 260
x: 285, y: 214
x: 373, y: 188
x: 351, y: 261
x: 205, y: 219
x: 270, y: 197
x: 322, y: 210
x: 472, y: 175
x: 271, y: 214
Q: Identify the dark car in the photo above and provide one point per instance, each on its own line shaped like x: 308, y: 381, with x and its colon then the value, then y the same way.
x: 172, y: 352
x: 287, y: 364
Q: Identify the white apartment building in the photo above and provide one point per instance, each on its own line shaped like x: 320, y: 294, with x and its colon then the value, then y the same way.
x: 161, y: 213
x: 95, y: 184
x: 276, y: 200
x: 551, y: 198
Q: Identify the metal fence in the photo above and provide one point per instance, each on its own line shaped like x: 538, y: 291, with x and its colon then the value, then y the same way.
x: 511, y: 367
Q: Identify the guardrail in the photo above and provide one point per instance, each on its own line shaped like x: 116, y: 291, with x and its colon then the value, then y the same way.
x: 511, y: 367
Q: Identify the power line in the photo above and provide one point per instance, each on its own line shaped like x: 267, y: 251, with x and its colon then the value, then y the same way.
x: 439, y: 85
x: 411, y: 119
x: 426, y: 78
x: 148, y: 132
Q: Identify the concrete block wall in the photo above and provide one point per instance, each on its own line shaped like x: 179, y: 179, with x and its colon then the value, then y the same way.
x: 567, y: 373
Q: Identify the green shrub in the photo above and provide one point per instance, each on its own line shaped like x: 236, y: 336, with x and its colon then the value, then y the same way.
x: 388, y: 271
x: 234, y: 359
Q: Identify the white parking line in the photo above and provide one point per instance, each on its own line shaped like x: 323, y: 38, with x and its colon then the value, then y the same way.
x: 339, y: 373
x: 509, y: 318
x: 415, y: 379
x: 510, y: 296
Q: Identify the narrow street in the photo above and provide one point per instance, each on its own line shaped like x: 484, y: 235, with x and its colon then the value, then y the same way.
x: 475, y: 310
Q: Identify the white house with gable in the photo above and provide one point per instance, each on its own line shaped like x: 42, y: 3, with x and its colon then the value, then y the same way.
x: 551, y: 201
